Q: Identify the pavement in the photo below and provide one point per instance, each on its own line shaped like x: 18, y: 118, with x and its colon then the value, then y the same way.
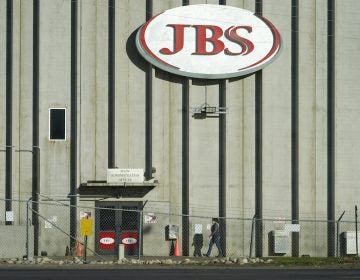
x: 189, y: 273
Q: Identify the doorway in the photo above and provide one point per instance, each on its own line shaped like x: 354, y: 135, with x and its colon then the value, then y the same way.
x: 117, y: 222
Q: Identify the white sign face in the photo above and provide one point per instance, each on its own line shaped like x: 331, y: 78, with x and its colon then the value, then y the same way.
x: 47, y: 224
x: 150, y: 218
x: 129, y: 241
x: 85, y: 214
x: 9, y: 216
x: 198, y: 228
x: 117, y: 175
x: 292, y: 227
x: 209, y: 41
x: 107, y: 240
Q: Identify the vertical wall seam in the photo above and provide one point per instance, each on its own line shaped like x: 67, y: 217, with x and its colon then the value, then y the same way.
x: 35, y: 137
x: 222, y: 160
x: 74, y: 124
x: 9, y: 108
x: 222, y: 165
x: 295, y: 123
x: 111, y: 84
x: 80, y: 87
x: 148, y: 106
x: 331, y: 128
x: 258, y: 154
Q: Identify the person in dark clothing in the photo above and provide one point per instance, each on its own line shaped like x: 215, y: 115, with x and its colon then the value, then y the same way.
x: 198, y: 244
x: 214, y: 238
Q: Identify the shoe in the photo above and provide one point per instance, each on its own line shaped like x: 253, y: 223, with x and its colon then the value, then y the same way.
x: 219, y: 256
x: 205, y: 255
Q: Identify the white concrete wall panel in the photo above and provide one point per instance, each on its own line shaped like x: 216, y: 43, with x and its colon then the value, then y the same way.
x: 307, y: 124
x: 204, y: 152
x: 101, y: 93
x: 321, y: 125
x: 88, y: 92
x: 277, y: 118
x: 54, y: 92
x: 347, y: 106
x: 321, y: 108
x: 24, y: 112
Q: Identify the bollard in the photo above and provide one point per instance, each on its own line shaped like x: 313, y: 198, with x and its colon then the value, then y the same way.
x: 120, y: 252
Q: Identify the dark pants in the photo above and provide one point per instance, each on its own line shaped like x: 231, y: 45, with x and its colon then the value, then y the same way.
x: 216, y: 240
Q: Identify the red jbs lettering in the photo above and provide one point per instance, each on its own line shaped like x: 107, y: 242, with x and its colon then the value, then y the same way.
x: 215, y: 38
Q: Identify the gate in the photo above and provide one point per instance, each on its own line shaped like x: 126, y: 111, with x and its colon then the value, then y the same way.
x: 117, y: 222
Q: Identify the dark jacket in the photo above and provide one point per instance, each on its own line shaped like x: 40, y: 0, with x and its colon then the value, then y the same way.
x: 215, y: 230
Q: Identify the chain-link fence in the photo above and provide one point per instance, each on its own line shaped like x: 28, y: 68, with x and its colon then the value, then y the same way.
x: 120, y: 228
x: 16, y: 231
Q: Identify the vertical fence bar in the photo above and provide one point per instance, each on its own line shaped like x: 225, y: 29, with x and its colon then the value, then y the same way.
x: 27, y: 227
x: 140, y: 233
x: 356, y: 230
x: 252, y: 235
x: 337, y: 233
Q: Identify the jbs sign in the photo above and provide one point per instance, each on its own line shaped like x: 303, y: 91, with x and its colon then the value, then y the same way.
x: 215, y: 39
x: 208, y: 41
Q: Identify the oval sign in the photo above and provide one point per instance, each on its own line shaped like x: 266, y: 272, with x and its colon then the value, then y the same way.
x: 209, y: 41
x: 129, y: 241
x: 107, y: 240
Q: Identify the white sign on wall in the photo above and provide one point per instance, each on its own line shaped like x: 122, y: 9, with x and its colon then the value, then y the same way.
x: 209, y: 41
x: 118, y: 175
x: 150, y: 218
x: 9, y: 216
x: 292, y: 227
x: 198, y: 228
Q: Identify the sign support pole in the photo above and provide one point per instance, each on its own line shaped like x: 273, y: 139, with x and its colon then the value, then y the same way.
x: 85, y: 249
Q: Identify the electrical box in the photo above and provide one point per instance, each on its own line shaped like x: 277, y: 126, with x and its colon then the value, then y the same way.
x: 278, y: 242
x: 171, y: 232
x: 348, y: 243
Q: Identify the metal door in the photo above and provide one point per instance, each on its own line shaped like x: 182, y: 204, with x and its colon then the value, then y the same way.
x: 116, y: 223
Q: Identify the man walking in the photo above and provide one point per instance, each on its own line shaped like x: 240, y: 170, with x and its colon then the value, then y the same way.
x: 214, y: 238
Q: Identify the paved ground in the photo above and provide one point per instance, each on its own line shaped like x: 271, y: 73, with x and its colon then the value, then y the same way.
x: 178, y: 273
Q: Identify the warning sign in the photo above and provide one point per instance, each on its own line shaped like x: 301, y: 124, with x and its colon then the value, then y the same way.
x: 86, y: 227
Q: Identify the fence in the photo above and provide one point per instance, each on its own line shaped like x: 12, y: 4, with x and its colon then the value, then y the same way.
x: 150, y: 232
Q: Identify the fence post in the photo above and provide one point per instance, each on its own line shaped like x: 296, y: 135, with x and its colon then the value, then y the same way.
x: 356, y: 231
x: 337, y: 233
x: 252, y: 235
x: 141, y: 228
x: 27, y: 227
x: 140, y: 232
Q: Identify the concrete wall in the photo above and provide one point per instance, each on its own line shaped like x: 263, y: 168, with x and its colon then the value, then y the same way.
x: 13, y: 241
x: 167, y: 116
